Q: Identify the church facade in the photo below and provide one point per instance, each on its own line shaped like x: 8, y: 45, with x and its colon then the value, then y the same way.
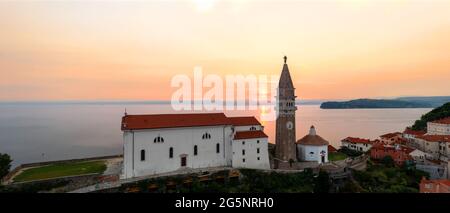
x: 285, y: 150
x: 162, y: 143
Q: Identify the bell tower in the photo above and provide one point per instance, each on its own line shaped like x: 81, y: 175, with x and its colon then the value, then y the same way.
x: 285, y: 122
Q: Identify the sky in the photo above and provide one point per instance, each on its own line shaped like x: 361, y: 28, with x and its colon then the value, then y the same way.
x: 130, y: 50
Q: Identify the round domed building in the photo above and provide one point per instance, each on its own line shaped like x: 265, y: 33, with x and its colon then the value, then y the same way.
x: 312, y: 147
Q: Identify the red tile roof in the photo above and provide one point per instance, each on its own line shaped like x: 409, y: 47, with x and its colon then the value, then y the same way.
x: 357, y: 140
x: 414, y: 132
x: 244, y: 121
x: 249, y: 134
x: 157, y: 121
x: 442, y: 121
x: 390, y: 135
x: 435, y: 138
x: 331, y: 149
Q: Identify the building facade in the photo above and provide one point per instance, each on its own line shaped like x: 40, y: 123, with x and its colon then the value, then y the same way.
x: 391, y: 138
x: 400, y: 154
x: 162, y: 143
x: 434, y: 186
x: 439, y: 127
x: 357, y: 144
x: 285, y: 121
x: 312, y: 147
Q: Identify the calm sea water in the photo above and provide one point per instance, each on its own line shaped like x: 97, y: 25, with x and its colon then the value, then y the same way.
x: 43, y: 132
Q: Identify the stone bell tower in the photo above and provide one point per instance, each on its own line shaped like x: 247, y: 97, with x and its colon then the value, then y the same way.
x: 285, y: 123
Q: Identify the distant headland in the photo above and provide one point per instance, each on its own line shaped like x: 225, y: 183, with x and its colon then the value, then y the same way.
x: 402, y: 102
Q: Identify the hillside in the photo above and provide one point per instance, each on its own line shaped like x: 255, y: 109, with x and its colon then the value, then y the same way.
x: 437, y: 113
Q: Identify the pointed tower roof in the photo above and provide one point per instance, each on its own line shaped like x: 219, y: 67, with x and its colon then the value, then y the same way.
x: 285, y: 78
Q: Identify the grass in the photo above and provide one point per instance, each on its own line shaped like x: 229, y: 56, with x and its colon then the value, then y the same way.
x: 336, y: 156
x: 61, y: 170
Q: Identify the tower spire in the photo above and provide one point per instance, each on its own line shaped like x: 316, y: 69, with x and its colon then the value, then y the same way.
x: 285, y: 59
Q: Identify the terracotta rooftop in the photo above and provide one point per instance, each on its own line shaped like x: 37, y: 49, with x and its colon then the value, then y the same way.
x: 249, y: 134
x: 157, y: 121
x: 312, y: 139
x: 405, y: 149
x: 331, y: 149
x: 357, y: 140
x: 442, y: 121
x: 390, y: 135
x: 435, y: 138
x: 244, y: 121
x: 414, y: 132
x: 438, y: 181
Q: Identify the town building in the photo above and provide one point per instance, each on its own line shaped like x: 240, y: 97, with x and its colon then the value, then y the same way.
x: 357, y: 144
x: 434, y: 186
x: 160, y: 143
x: 410, y: 136
x: 400, y: 154
x: 391, y: 138
x: 419, y: 156
x: 312, y: 147
x: 438, y: 146
x: 285, y: 151
x: 439, y: 127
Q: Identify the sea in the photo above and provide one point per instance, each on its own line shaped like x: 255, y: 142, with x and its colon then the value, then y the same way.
x: 35, y: 132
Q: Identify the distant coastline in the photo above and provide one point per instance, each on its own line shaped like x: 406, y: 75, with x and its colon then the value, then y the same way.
x: 403, y: 102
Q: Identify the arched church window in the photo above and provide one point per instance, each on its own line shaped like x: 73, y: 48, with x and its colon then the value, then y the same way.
x: 158, y: 139
x: 171, y: 152
x: 217, y: 148
x: 206, y: 136
x: 195, y: 150
x: 142, y: 155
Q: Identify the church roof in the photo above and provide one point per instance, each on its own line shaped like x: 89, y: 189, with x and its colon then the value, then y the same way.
x: 285, y: 78
x: 442, y: 121
x: 158, y: 121
x: 244, y: 121
x: 312, y: 139
x: 249, y: 134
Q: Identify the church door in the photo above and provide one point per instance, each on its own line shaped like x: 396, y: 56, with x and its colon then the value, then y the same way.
x: 323, y: 159
x: 183, y: 161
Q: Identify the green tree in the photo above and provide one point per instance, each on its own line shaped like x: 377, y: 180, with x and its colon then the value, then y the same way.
x: 5, y: 164
x: 437, y: 113
x: 387, y: 161
x: 322, y: 184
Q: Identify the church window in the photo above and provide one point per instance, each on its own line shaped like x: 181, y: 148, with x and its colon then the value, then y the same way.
x: 257, y: 141
x: 142, y: 155
x: 243, y: 142
x: 252, y: 128
x: 206, y: 136
x: 257, y: 150
x: 195, y: 150
x: 243, y: 160
x: 158, y: 139
x: 243, y: 152
x: 311, y: 153
x: 258, y: 158
x: 171, y: 152
x: 217, y: 148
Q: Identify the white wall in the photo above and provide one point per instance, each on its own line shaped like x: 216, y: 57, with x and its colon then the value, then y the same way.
x: 247, y: 128
x: 251, y: 156
x: 182, y: 140
x: 361, y: 147
x: 438, y: 129
x: 312, y: 153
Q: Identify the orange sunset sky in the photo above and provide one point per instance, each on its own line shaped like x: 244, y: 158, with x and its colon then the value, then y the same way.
x: 130, y: 50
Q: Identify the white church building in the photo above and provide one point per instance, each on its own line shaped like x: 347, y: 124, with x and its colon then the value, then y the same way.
x: 312, y: 147
x: 160, y: 143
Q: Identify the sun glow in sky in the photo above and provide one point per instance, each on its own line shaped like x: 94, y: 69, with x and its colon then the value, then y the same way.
x: 337, y: 49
